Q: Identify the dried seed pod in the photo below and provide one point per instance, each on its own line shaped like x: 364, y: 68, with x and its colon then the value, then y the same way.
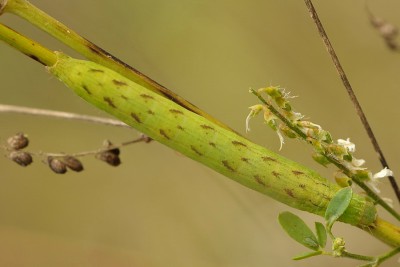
x: 57, y: 165
x: 109, y: 157
x: 115, y: 151
x: 18, y: 141
x: 21, y: 158
x: 73, y: 163
x: 146, y: 138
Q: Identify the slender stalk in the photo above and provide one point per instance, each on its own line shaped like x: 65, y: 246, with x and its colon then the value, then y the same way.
x: 29, y: 47
x: 351, y: 94
x: 26, y: 10
x: 60, y: 114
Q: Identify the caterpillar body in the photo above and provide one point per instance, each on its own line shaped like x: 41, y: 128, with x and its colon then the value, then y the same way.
x: 202, y: 140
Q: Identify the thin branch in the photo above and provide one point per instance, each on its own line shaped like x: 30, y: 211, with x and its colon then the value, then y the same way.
x: 60, y: 114
x: 350, y: 92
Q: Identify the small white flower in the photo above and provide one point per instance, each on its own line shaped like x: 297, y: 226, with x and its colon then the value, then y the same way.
x: 374, y: 179
x: 281, y: 140
x: 254, y: 110
x: 347, y: 144
x: 358, y: 163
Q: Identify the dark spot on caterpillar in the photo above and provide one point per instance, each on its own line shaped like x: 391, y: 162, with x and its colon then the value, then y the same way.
x: 119, y: 83
x: 265, y: 158
x: 226, y: 165
x: 323, y: 184
x: 180, y: 128
x: 212, y: 144
x: 86, y: 89
x: 259, y: 180
x: 237, y: 143
x: 109, y: 101
x: 124, y: 97
x: 163, y: 133
x: 326, y: 197
x: 245, y: 160
x: 303, y: 186
x: 175, y: 111
x: 289, y: 192
x: 297, y: 172
x: 79, y: 73
x: 150, y: 112
x: 206, y: 127
x: 96, y: 70
x: 195, y: 150
x: 276, y: 174
x: 136, y: 117
x: 146, y: 96
x: 36, y: 59
x: 315, y: 204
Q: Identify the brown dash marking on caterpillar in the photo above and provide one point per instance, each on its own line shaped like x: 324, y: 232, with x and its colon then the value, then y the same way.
x: 84, y: 86
x: 297, y: 173
x: 119, y: 83
x: 302, y: 186
x: 226, y: 165
x: 124, y: 97
x: 96, y: 70
x: 238, y: 143
x: 193, y: 148
x: 180, y: 128
x: 136, y: 117
x: 265, y: 158
x: 289, y: 192
x: 212, y: 144
x: 276, y: 174
x: 176, y: 111
x: 326, y: 197
x: 259, y: 180
x: 145, y: 96
x: 245, y: 160
x: 150, y: 112
x: 163, y: 133
x: 109, y: 101
x: 207, y: 127
x: 314, y: 204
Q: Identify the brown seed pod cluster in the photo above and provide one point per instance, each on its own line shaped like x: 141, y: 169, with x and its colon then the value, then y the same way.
x: 60, y: 165
x: 14, y: 146
x: 110, y: 156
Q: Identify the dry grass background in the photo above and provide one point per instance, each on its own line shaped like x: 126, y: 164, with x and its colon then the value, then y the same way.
x: 159, y: 208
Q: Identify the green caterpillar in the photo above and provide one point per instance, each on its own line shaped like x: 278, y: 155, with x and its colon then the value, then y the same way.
x: 200, y: 139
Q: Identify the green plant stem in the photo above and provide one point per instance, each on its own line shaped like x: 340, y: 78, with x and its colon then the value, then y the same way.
x: 207, y: 142
x: 37, y: 17
x: 347, y: 254
x: 29, y: 47
x: 345, y: 170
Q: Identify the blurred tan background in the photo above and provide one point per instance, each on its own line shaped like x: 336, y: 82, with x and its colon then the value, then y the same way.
x: 159, y: 208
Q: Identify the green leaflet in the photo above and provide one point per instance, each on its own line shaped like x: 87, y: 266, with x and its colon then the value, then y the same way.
x: 200, y: 139
x: 338, y: 205
x: 298, y: 230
